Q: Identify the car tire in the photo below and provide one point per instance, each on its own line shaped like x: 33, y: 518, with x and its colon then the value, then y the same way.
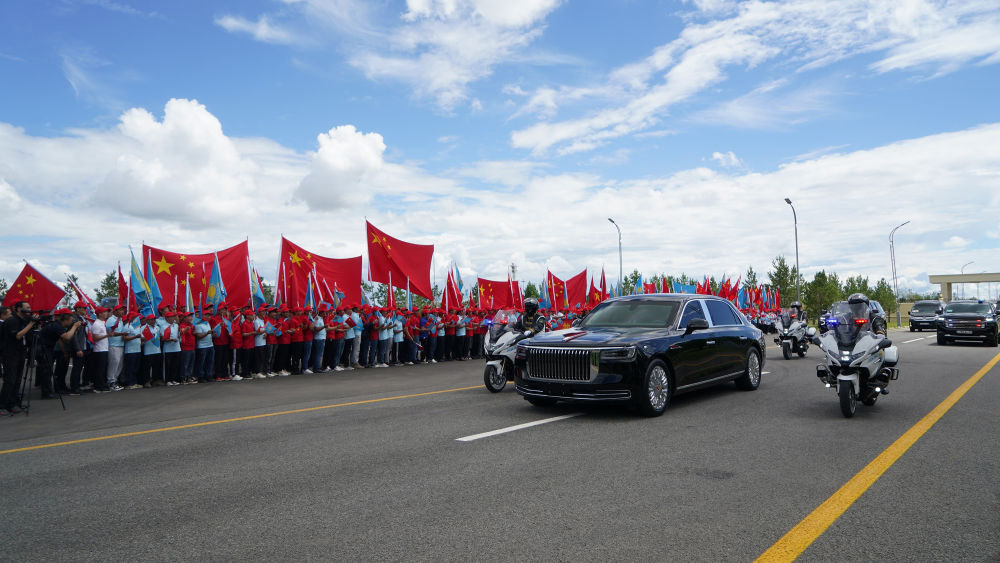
x: 992, y: 341
x: 911, y: 329
x: 657, y: 389
x: 540, y: 401
x: 941, y: 340
x: 750, y: 380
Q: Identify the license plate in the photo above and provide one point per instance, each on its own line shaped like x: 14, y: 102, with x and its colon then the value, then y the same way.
x: 963, y: 331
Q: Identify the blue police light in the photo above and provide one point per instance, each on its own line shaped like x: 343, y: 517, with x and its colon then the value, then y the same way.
x: 832, y: 322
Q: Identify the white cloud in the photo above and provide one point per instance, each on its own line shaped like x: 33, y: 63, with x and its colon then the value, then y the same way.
x: 727, y: 159
x: 179, y: 182
x: 261, y: 30
x: 804, y: 33
x: 956, y: 242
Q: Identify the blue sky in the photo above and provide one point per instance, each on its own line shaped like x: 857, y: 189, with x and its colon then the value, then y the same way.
x: 193, y: 125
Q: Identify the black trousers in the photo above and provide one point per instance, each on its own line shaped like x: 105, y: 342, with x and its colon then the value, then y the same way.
x: 76, y: 373
x: 281, y: 358
x: 43, y: 372
x: 98, y: 364
x: 172, y: 366
x: 260, y: 359
x: 223, y: 359
x: 130, y: 368
x: 59, y: 375
x: 245, y: 359
x: 13, y: 367
x: 150, y: 368
x: 295, y: 364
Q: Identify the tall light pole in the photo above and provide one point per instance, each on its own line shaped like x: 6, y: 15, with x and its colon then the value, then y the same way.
x: 963, y: 272
x: 895, y: 286
x: 619, y: 252
x: 798, y: 273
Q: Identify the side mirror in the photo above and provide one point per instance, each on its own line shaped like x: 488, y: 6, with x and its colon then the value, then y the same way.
x: 885, y: 343
x: 696, y: 324
x: 939, y: 311
x: 811, y: 332
x: 576, y: 322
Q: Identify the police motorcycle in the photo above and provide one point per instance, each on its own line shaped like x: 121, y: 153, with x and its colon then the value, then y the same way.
x: 500, y: 347
x: 859, y: 363
x: 791, y: 327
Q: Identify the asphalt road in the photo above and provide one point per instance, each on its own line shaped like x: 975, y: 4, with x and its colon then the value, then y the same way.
x: 720, y: 477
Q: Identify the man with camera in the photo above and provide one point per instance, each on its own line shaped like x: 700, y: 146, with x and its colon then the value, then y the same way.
x: 12, y: 341
x: 62, y: 329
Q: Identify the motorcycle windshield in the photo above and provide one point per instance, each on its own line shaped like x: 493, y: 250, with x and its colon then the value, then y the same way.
x: 504, y: 320
x: 786, y: 320
x: 848, y: 326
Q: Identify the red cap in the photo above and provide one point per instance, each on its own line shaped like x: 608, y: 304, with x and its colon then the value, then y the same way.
x: 101, y: 310
x: 118, y: 306
x: 149, y: 318
x: 80, y: 305
x: 169, y: 314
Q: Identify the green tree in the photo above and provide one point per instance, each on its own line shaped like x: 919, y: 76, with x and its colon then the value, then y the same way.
x: 268, y: 289
x: 857, y: 284
x: 818, y: 294
x: 884, y: 295
x: 70, y: 292
x: 628, y: 284
x: 782, y: 277
x: 3, y: 288
x: 108, y: 287
x: 531, y: 290
x: 750, y: 278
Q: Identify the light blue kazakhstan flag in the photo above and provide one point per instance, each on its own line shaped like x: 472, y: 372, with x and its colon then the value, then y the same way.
x: 143, y: 294
x: 216, y: 289
x: 154, y: 287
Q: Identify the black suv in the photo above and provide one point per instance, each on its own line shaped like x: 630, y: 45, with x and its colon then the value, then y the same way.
x: 968, y: 320
x: 924, y: 314
x: 642, y: 349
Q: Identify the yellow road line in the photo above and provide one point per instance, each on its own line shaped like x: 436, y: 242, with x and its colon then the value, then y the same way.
x: 793, y: 543
x: 237, y: 419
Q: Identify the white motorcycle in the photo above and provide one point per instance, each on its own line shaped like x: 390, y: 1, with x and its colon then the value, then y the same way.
x: 791, y: 335
x: 500, y: 347
x: 859, y: 363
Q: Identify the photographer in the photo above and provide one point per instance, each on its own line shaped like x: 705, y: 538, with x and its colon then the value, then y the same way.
x: 12, y: 341
x: 62, y: 329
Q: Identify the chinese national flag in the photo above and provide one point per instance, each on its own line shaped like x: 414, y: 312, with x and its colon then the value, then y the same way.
x: 344, y: 274
x: 495, y: 294
x: 125, y: 297
x: 189, y: 269
x: 593, y: 295
x: 36, y: 289
x: 404, y: 259
x: 576, y: 289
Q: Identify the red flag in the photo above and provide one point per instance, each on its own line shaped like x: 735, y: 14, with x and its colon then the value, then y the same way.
x: 452, y: 298
x: 36, y: 289
x: 649, y: 288
x: 557, y: 292
x: 297, y: 263
x: 499, y: 293
x: 593, y: 295
x: 404, y: 259
x: 515, y: 288
x: 604, y: 286
x: 576, y: 289
x: 189, y: 269
x: 125, y: 296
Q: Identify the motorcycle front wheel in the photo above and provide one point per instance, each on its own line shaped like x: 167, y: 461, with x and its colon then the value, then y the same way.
x: 493, y: 380
x: 786, y: 351
x: 848, y: 399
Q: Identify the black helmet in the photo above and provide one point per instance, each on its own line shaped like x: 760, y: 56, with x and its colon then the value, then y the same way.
x: 530, y: 306
x: 860, y: 306
x: 858, y: 298
x: 796, y: 305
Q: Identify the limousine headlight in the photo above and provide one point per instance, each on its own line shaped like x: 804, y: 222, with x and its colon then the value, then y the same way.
x: 619, y: 354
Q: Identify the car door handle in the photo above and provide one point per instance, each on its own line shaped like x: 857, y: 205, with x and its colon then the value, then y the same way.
x: 709, y: 343
x: 743, y: 338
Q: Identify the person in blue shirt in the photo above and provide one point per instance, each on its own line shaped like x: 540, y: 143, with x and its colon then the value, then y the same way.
x: 116, y: 346
x: 133, y: 350
x: 151, y: 368
x: 397, y: 338
x: 204, y: 351
x: 358, y: 336
x: 170, y: 338
x: 384, y: 334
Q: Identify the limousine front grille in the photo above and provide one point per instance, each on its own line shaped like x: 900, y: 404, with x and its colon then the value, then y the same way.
x: 564, y: 364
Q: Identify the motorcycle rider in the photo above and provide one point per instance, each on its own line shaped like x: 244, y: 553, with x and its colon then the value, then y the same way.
x: 531, y: 319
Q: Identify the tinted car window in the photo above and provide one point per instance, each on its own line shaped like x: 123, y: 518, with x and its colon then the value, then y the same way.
x: 968, y: 308
x: 722, y: 314
x: 692, y: 310
x: 632, y: 314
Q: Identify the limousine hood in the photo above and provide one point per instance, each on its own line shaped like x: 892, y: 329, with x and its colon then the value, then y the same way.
x: 579, y: 338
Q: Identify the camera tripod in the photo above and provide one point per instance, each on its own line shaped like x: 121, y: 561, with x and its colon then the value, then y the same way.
x: 28, y: 381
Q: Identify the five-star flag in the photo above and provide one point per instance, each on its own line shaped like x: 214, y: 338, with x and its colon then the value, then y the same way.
x: 406, y: 261
x: 296, y: 265
x: 191, y: 269
x: 36, y: 289
x: 495, y: 294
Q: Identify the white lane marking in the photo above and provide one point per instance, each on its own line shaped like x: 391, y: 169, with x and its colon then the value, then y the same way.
x: 517, y: 427
x: 914, y: 340
x: 764, y: 372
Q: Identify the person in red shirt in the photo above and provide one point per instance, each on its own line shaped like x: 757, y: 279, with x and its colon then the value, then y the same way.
x: 284, y: 342
x: 305, y: 325
x: 187, y: 348
x: 294, y: 329
x: 220, y: 338
x: 272, y: 321
x: 335, y: 329
x: 411, y: 336
x: 372, y: 324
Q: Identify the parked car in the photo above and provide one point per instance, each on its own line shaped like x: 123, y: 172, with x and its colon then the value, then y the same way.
x: 642, y: 350
x: 879, y: 318
x: 968, y: 320
x: 924, y: 314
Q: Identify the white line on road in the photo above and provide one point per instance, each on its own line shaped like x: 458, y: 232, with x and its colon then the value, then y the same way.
x: 764, y: 372
x: 914, y: 340
x: 517, y: 427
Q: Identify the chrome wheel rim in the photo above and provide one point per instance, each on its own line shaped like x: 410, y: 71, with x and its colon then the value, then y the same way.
x: 496, y: 378
x: 659, y: 388
x: 753, y: 369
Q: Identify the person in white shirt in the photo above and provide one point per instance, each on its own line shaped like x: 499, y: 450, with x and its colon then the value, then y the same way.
x: 319, y: 339
x: 99, y: 353
x: 116, y: 345
x: 260, y: 344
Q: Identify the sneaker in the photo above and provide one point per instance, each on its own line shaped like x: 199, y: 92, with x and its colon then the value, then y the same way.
x: 284, y: 372
x: 259, y: 376
x: 87, y: 387
x: 348, y: 368
x: 98, y: 391
x: 136, y: 386
x: 235, y: 378
x: 271, y: 374
x: 146, y: 386
x: 357, y: 366
x: 307, y: 370
x: 195, y: 382
x: 171, y: 383
x: 326, y: 370
x: 434, y: 361
x: 117, y: 388
x: 338, y: 368
x: 408, y: 364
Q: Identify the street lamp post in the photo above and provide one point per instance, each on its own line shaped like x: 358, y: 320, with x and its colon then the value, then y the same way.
x: 895, y: 285
x: 620, y: 281
x: 798, y: 273
x: 963, y: 272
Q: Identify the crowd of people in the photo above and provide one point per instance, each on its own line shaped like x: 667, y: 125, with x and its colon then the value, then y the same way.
x: 84, y: 350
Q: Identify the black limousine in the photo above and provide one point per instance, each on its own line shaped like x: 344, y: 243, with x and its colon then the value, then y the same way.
x: 642, y: 349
